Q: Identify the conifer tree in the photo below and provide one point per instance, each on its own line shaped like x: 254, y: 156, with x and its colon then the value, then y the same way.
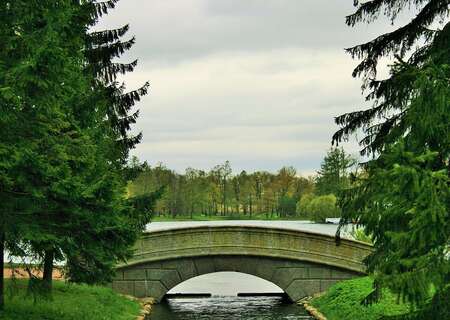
x: 62, y: 152
x: 383, y: 122
x: 102, y: 47
x: 39, y: 80
x: 403, y: 200
x: 333, y: 175
x: 126, y: 218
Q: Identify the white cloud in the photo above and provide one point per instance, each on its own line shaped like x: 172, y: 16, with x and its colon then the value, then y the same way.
x: 255, y: 82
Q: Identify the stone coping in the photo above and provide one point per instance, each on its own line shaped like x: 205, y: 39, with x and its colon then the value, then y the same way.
x: 249, y: 240
x: 256, y: 227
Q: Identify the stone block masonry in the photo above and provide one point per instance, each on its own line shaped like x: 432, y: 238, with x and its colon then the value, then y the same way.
x: 300, y: 263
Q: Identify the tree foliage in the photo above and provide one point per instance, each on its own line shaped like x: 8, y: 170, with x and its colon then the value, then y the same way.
x: 220, y: 192
x: 65, y: 139
x: 334, y: 173
x: 403, y: 199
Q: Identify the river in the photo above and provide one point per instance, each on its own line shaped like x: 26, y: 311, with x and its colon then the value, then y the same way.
x: 224, y: 286
x: 228, y: 308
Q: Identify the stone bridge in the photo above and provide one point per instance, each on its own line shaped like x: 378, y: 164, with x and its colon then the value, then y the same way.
x: 301, y: 263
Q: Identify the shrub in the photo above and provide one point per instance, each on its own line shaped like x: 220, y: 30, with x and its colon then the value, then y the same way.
x: 302, y: 205
x: 322, y: 207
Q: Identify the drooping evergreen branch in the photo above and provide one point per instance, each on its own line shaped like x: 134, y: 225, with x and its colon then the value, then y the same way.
x: 368, y: 11
x: 107, y: 36
x: 105, y: 52
x: 108, y: 73
x: 399, y: 41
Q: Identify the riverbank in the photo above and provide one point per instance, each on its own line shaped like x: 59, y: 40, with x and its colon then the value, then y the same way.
x: 343, y: 302
x: 68, y: 302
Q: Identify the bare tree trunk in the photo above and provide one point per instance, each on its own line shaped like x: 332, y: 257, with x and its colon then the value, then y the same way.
x: 47, y: 276
x: 2, y: 265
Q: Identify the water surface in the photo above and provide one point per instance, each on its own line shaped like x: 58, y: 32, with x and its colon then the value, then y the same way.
x: 228, y: 308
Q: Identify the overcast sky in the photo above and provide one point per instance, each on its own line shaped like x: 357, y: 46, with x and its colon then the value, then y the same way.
x: 256, y: 82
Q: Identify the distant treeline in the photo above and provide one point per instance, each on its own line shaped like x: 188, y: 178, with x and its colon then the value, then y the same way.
x: 220, y: 192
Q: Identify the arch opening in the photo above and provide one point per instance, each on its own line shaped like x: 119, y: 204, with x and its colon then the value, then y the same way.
x: 225, y: 283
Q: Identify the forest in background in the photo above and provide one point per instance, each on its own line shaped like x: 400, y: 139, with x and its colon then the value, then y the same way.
x: 222, y: 193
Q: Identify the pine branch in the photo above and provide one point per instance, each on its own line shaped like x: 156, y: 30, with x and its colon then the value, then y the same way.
x: 102, y: 8
x: 104, y: 53
x: 125, y: 101
x: 124, y: 124
x: 108, y: 73
x: 130, y: 142
x: 352, y: 121
x: 369, y: 11
x: 400, y: 40
x: 106, y: 36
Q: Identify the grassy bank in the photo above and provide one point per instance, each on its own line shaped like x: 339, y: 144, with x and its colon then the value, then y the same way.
x: 69, y: 302
x: 221, y: 218
x: 343, y: 302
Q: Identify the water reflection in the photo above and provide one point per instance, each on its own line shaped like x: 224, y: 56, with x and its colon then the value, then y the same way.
x: 228, y: 308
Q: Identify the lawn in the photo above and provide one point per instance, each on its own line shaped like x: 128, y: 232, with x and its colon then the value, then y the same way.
x: 343, y: 302
x: 199, y: 217
x: 68, y: 302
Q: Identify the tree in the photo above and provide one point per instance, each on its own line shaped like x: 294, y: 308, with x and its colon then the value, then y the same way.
x: 196, y: 191
x: 222, y: 174
x: 304, y: 186
x: 333, y: 176
x: 403, y: 199
x: 118, y: 221
x: 286, y: 206
x: 41, y: 77
x: 286, y: 178
x: 61, y: 161
x: 101, y: 48
x: 303, y: 203
x: 322, y: 207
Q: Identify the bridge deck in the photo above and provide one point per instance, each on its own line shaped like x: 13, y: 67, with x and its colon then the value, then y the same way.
x: 322, y: 228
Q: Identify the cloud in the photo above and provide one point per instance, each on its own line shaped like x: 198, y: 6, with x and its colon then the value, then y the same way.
x: 170, y: 31
x: 254, y: 82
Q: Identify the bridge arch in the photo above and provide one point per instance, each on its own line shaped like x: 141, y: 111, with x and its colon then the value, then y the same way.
x: 225, y: 283
x: 300, y: 263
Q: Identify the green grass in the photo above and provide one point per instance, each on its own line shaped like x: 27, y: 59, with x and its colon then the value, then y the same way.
x: 69, y: 302
x: 199, y: 217
x: 343, y: 302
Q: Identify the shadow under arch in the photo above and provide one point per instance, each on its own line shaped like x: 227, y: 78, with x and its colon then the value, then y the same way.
x: 296, y: 278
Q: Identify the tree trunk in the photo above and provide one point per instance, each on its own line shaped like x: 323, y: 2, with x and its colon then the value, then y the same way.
x: 2, y: 265
x: 47, y: 276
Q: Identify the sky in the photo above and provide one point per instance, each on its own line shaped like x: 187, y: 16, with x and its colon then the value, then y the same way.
x: 255, y: 82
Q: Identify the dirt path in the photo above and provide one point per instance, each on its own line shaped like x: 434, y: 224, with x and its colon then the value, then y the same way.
x: 20, y: 273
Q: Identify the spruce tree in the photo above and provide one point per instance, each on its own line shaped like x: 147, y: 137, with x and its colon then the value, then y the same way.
x: 64, y: 144
x: 40, y: 77
x: 333, y: 176
x: 126, y: 218
x: 102, y: 47
x: 403, y: 198
x: 383, y: 122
